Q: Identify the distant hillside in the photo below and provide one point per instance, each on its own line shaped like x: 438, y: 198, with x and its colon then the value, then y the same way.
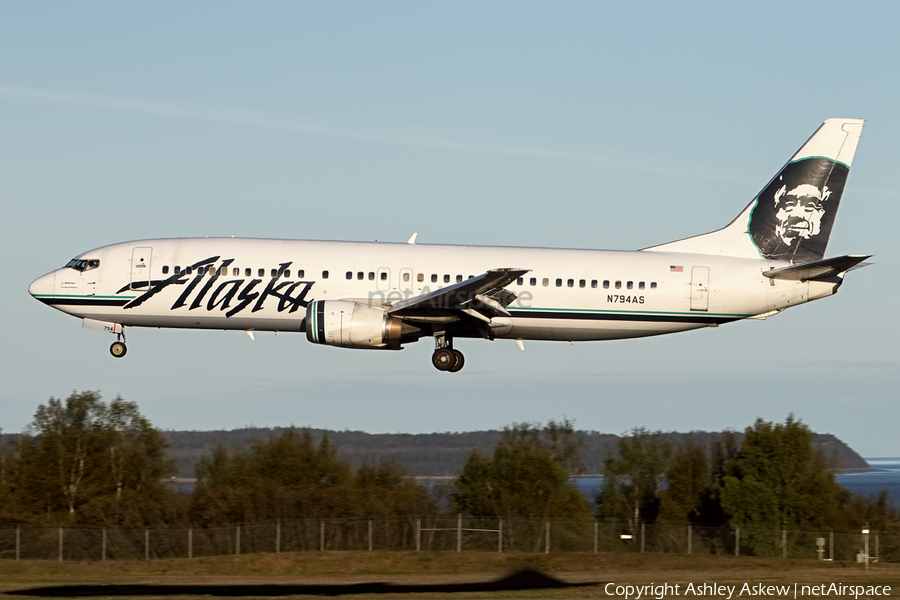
x: 442, y: 454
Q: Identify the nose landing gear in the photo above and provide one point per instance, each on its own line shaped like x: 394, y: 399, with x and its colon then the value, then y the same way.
x: 445, y: 358
x: 118, y: 348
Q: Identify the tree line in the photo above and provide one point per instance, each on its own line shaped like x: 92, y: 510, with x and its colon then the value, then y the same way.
x: 86, y: 461
x: 441, y: 454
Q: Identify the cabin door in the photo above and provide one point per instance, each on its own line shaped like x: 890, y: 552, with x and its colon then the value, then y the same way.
x: 700, y: 288
x: 140, y: 267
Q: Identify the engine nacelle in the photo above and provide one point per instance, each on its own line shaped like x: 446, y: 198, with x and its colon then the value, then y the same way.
x: 352, y: 325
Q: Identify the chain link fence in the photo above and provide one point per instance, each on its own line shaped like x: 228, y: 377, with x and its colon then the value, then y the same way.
x: 441, y: 534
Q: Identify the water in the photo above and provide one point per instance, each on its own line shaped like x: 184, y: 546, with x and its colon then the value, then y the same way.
x: 886, y: 477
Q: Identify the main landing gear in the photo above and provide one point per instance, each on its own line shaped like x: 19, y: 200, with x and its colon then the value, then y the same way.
x: 445, y: 358
x: 118, y: 348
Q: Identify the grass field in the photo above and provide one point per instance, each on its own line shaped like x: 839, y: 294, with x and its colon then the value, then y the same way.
x: 427, y: 575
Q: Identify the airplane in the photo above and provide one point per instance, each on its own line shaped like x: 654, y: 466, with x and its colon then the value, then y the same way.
x: 373, y: 295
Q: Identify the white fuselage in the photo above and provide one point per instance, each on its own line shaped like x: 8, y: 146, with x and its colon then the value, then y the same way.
x: 265, y: 285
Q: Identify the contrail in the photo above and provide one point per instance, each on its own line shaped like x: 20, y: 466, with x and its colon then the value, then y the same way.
x: 199, y: 112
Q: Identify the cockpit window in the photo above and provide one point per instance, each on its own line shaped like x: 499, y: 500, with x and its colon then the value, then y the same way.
x: 82, y: 264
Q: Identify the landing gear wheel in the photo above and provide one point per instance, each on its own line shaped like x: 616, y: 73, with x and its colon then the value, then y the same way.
x: 118, y: 349
x: 458, y: 361
x: 443, y: 359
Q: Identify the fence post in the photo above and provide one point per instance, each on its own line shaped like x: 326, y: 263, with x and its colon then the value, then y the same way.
x: 500, y: 536
x: 547, y: 539
x: 237, y: 541
x: 865, y: 534
x: 784, y: 543
x: 596, y: 536
x: 643, y: 536
x: 737, y: 541
x: 278, y: 537
x: 103, y: 551
x: 146, y: 544
x: 831, y: 545
x: 190, y: 542
x: 877, y: 555
x: 322, y: 536
x: 18, y: 541
x: 60, y: 544
x: 459, y: 532
x: 418, y: 535
x: 690, y: 538
x: 370, y: 535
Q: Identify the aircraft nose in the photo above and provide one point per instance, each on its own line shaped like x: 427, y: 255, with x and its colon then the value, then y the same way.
x: 43, y: 286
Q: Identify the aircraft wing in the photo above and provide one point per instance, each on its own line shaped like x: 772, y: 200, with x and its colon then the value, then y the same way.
x: 820, y: 269
x: 482, y: 297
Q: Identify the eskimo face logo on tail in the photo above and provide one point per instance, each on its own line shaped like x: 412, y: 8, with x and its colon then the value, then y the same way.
x: 793, y: 216
x: 799, y: 212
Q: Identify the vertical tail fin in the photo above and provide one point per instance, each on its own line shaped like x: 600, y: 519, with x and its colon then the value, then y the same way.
x: 791, y: 218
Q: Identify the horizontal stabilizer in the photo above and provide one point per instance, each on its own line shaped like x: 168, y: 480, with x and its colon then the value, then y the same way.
x: 820, y: 269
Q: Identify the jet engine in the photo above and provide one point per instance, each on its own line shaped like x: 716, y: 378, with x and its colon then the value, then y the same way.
x: 353, y: 325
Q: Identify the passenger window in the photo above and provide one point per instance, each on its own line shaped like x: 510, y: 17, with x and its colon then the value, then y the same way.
x: 235, y: 272
x: 384, y: 275
x: 420, y: 277
x: 533, y: 281
x: 188, y: 270
x: 349, y: 274
x: 570, y: 283
x: 434, y: 278
x: 594, y: 283
x: 582, y: 283
x: 606, y: 284
x: 360, y: 275
x: 177, y: 269
x: 247, y: 272
x: 274, y: 272
x: 545, y: 281
x: 324, y: 274
x: 406, y: 277
x: 458, y: 278
x: 618, y: 285
x: 652, y: 285
x: 261, y: 273
x: 641, y: 285
x: 520, y: 281
x: 371, y: 275
x: 211, y: 270
x: 165, y: 269
x: 446, y: 279
x: 630, y: 285
x: 301, y: 273
x: 287, y: 272
x: 559, y: 282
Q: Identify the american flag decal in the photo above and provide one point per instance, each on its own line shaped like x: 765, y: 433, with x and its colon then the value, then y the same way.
x: 676, y: 268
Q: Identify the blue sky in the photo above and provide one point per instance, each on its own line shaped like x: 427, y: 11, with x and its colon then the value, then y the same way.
x: 579, y: 124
